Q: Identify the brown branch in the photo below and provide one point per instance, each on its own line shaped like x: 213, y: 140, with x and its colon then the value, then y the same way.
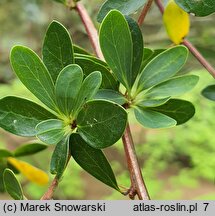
x: 199, y: 56
x: 192, y: 48
x: 90, y: 29
x: 144, y: 12
x: 49, y: 193
x: 137, y: 184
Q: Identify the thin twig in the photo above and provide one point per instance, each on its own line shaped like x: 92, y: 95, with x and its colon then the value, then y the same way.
x: 49, y: 193
x: 137, y: 184
x: 90, y: 28
x: 192, y: 48
x: 137, y: 181
x: 144, y: 12
x: 199, y: 56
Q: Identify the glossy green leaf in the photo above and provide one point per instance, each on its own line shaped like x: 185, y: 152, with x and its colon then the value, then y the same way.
x: 33, y: 74
x: 92, y: 160
x: 180, y: 110
x: 209, y: 92
x: 148, y: 55
x: 57, y: 49
x: 5, y: 153
x: 117, y: 47
x: 152, y: 102
x: 12, y: 185
x: 29, y: 149
x: 20, y: 116
x: 87, y: 91
x: 162, y: 67
x: 11, y: 167
x: 67, y: 87
x: 173, y: 87
x: 88, y: 66
x: 101, y: 123
x: 152, y: 119
x: 51, y: 131
x: 60, y: 157
x: 79, y: 50
x: 137, y: 40
x: 198, y: 8
x: 126, y: 7
x: 108, y: 94
x: 92, y: 58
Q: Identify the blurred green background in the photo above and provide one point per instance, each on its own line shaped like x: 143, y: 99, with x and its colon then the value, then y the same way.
x: 177, y: 163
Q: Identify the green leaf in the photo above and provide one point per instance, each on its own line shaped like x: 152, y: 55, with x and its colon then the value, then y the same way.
x: 173, y: 87
x: 29, y: 149
x: 117, y: 47
x: 33, y: 74
x: 5, y: 153
x: 126, y: 7
x: 138, y: 45
x: 88, y: 66
x: 91, y: 57
x: 180, y: 110
x: 60, y: 157
x: 92, y: 160
x: 101, y: 123
x: 79, y: 50
x: 152, y: 119
x: 67, y: 87
x: 209, y: 92
x: 148, y: 55
x: 162, y: 67
x: 108, y: 94
x: 3, y: 166
x: 12, y: 185
x: 57, y: 49
x: 51, y: 131
x: 152, y: 102
x: 20, y: 116
x: 87, y: 91
x: 198, y: 8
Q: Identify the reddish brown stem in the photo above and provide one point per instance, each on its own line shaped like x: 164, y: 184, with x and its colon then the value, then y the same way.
x: 144, y: 12
x: 50, y: 192
x: 136, y: 177
x: 192, y: 48
x: 137, y: 184
x: 90, y: 28
x: 200, y: 58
